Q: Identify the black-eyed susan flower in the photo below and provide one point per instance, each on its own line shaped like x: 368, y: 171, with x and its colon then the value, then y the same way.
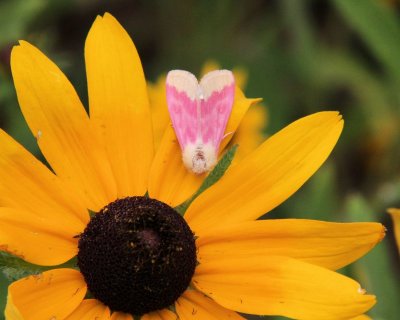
x: 137, y: 255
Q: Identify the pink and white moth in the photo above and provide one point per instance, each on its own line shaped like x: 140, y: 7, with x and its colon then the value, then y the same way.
x: 199, y: 114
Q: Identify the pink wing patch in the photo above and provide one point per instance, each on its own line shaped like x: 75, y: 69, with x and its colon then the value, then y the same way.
x: 182, y: 87
x: 218, y: 88
x: 199, y: 114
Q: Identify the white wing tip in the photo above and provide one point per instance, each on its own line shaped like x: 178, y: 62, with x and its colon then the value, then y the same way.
x: 216, y: 81
x: 183, y: 81
x: 225, y: 74
x: 177, y: 74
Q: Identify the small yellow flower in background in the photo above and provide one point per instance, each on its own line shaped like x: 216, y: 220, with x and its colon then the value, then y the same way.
x: 137, y: 255
x: 395, y: 214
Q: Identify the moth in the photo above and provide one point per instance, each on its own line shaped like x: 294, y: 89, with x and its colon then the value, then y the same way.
x: 199, y: 113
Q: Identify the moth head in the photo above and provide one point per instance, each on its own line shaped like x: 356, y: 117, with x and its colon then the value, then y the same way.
x: 199, y: 158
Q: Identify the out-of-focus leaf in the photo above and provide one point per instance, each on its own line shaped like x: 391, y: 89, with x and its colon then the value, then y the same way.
x: 379, y: 27
x: 303, y: 39
x: 14, y: 268
x: 369, y: 90
x: 376, y: 271
x: 3, y: 293
x: 15, y: 16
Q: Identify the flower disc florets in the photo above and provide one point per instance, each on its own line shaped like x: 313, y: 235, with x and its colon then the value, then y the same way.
x: 137, y: 255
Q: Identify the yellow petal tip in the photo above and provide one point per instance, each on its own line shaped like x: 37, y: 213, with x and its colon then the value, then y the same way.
x: 24, y: 43
x: 393, y: 211
x: 256, y: 100
x: 108, y: 17
x: 383, y: 233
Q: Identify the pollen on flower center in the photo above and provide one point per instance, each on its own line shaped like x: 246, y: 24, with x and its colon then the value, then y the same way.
x: 137, y: 255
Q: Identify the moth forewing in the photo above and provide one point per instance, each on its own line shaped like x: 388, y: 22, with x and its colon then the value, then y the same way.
x: 199, y: 113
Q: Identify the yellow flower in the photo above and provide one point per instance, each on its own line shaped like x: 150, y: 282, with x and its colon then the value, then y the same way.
x: 395, y: 213
x: 138, y: 255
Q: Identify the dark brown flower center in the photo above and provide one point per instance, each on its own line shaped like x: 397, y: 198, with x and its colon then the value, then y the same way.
x: 137, y: 255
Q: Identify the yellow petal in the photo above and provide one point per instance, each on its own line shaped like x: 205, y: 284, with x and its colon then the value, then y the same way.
x: 249, y: 134
x: 330, y: 245
x: 195, y: 305
x: 164, y: 314
x: 169, y: 180
x: 90, y: 309
x: 27, y: 184
x: 269, y: 175
x: 35, y: 239
x: 64, y: 133
x: 11, y: 312
x: 119, y: 103
x: 159, y: 109
x: 52, y: 294
x: 121, y: 316
x: 362, y: 317
x: 395, y: 213
x: 273, y: 285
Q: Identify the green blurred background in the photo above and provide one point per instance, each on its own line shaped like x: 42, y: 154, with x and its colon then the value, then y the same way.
x: 301, y: 57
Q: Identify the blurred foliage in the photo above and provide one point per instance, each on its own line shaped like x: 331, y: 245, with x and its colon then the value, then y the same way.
x: 301, y: 57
